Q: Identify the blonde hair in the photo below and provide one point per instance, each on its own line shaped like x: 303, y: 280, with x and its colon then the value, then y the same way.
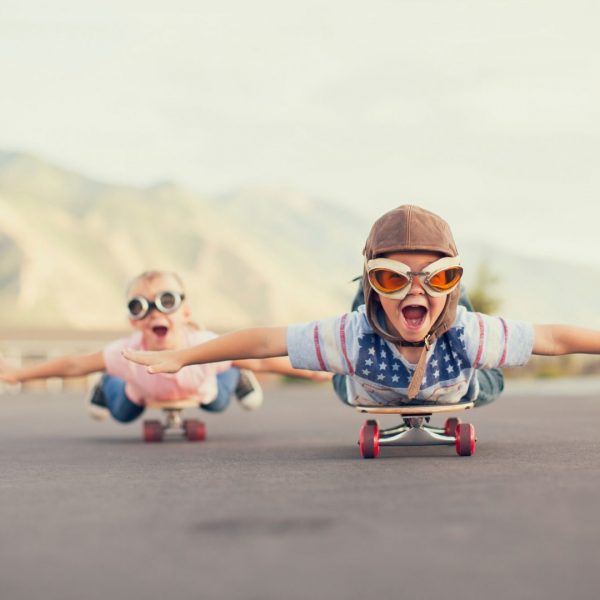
x: 152, y: 275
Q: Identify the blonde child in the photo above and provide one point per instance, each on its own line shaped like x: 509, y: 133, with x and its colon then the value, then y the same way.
x: 161, y: 320
x: 410, y: 342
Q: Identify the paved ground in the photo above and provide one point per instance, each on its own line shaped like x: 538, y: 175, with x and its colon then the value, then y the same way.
x: 278, y: 505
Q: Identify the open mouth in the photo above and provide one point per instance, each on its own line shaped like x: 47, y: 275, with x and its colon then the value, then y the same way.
x: 160, y: 331
x: 414, y: 316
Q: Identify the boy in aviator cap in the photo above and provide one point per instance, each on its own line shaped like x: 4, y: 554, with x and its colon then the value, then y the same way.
x: 489, y: 381
x: 410, y: 342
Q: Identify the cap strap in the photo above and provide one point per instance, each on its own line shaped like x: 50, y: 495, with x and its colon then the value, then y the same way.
x: 411, y: 344
x: 417, y: 378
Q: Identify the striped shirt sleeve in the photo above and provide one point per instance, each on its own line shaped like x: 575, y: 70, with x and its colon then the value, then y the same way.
x: 496, y: 342
x: 326, y: 345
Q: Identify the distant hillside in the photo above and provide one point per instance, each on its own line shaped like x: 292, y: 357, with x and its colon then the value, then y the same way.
x: 256, y: 256
x: 260, y: 255
x: 544, y: 291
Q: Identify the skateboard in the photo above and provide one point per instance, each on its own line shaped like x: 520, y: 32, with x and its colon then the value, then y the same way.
x: 415, y: 430
x: 154, y: 430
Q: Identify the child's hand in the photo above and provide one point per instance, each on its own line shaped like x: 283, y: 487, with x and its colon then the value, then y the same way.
x: 7, y: 373
x: 157, y: 362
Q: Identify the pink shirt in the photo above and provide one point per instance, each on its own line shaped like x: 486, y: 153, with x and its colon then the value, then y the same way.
x: 195, y: 381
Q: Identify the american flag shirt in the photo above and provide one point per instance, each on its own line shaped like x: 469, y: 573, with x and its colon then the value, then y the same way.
x: 379, y: 375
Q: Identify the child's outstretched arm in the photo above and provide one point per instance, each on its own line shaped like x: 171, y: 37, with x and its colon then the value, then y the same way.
x: 264, y: 342
x: 554, y: 340
x: 63, y: 366
x: 282, y: 366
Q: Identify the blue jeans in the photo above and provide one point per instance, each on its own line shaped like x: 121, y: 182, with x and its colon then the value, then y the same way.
x: 124, y: 410
x: 491, y: 381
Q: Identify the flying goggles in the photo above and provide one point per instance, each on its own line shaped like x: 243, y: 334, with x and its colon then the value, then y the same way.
x: 393, y: 279
x: 166, y: 302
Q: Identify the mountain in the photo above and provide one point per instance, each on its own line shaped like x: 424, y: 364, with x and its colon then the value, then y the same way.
x: 255, y: 256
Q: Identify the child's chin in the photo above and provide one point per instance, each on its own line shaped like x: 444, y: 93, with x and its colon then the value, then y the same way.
x: 159, y: 343
x: 413, y: 334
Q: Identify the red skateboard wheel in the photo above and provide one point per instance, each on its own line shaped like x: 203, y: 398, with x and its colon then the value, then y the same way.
x: 465, y: 439
x: 450, y: 426
x: 195, y: 431
x: 153, y: 431
x: 368, y: 441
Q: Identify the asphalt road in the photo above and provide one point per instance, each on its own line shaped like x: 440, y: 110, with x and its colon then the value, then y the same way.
x: 277, y: 504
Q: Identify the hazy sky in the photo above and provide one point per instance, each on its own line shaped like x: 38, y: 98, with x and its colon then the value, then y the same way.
x: 485, y: 111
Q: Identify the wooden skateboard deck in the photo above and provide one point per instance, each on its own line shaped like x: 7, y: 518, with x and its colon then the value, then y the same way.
x: 409, y: 410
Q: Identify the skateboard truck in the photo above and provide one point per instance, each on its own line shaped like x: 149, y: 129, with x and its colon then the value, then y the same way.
x: 415, y: 430
x: 192, y: 429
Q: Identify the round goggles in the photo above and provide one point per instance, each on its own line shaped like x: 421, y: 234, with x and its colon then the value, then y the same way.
x: 393, y: 279
x: 166, y: 302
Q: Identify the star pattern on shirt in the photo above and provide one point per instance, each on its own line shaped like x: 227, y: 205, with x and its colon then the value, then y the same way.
x: 449, y: 356
x: 378, y: 362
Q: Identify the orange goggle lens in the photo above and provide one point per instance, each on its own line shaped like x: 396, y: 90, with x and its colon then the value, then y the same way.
x: 387, y: 281
x: 445, y: 280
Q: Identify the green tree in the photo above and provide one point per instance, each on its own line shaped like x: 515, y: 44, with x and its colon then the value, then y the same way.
x: 481, y: 293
